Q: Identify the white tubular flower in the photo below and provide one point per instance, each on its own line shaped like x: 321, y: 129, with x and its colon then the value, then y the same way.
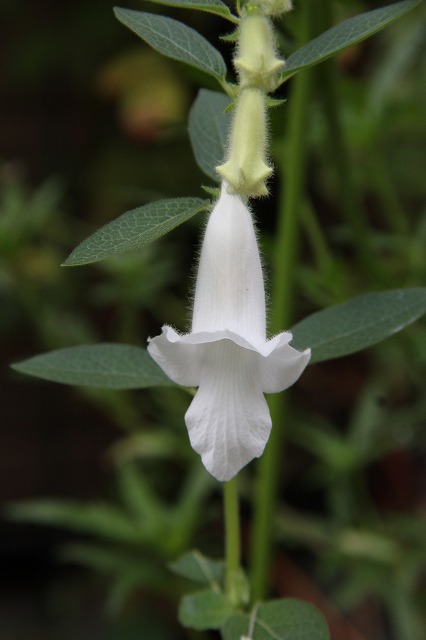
x: 226, y: 354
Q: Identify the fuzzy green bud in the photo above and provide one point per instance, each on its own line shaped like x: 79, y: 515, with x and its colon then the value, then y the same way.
x: 273, y: 8
x: 257, y: 64
x: 246, y: 170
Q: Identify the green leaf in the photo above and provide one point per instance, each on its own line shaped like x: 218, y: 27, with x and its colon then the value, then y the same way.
x: 95, y: 518
x: 174, y: 40
x: 194, y: 566
x: 208, y: 130
x: 204, y: 610
x: 136, y: 228
x: 211, y: 6
x: 112, y: 366
x: 278, y: 620
x: 128, y: 569
x: 118, y: 562
x: 141, y: 502
x: 359, y: 323
x: 344, y: 35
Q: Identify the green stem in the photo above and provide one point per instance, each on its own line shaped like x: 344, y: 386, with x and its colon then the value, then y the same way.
x: 232, y: 535
x: 350, y: 201
x: 316, y: 238
x: 393, y: 211
x: 292, y: 171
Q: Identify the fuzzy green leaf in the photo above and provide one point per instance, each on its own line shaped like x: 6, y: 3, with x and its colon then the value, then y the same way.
x: 111, y: 366
x: 196, y: 567
x: 204, y: 610
x: 286, y: 619
x: 211, y: 6
x: 359, y: 323
x: 208, y: 130
x: 136, y: 228
x: 174, y: 40
x: 344, y: 35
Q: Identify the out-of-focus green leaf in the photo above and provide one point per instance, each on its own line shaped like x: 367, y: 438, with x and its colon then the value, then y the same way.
x: 196, y: 567
x: 174, y: 40
x: 204, y: 610
x: 140, y: 499
x: 95, y: 518
x: 278, y: 620
x: 344, y: 35
x: 211, y: 6
x: 109, y: 559
x: 208, y: 130
x: 128, y: 568
x: 136, y: 228
x: 359, y: 323
x: 108, y: 365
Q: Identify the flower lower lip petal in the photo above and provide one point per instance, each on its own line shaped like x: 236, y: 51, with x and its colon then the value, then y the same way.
x: 228, y: 420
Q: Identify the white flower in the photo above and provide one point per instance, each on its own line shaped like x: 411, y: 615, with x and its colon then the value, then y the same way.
x: 226, y: 354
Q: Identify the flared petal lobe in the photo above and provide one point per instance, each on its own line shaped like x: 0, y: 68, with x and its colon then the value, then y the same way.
x: 283, y: 366
x: 228, y: 421
x: 178, y: 359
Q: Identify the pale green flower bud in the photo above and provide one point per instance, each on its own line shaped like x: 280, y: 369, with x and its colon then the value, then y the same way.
x: 257, y: 63
x: 246, y: 170
x: 273, y: 7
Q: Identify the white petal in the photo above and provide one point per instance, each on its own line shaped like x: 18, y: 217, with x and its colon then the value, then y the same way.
x: 229, y: 292
x: 206, y: 337
x: 178, y: 359
x: 228, y: 420
x: 283, y: 366
x: 181, y: 355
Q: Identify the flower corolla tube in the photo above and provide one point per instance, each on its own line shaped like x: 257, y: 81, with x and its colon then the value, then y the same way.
x: 226, y: 354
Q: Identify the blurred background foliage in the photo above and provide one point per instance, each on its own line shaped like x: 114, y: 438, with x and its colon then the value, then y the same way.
x: 94, y: 123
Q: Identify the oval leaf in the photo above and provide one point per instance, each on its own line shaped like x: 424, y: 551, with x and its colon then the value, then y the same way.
x: 204, y: 610
x: 136, y: 228
x: 359, y: 323
x: 208, y: 130
x: 211, y: 6
x: 111, y: 366
x: 286, y: 619
x: 198, y: 568
x: 344, y: 35
x: 174, y: 40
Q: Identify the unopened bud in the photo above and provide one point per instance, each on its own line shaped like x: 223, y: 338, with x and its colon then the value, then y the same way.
x: 273, y: 7
x: 246, y: 170
x: 257, y: 63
